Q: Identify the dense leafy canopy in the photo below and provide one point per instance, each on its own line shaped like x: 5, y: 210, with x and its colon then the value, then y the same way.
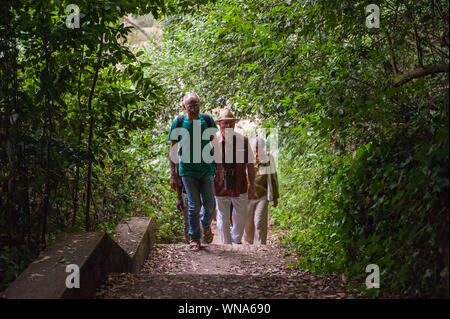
x: 362, y: 114
x: 74, y: 104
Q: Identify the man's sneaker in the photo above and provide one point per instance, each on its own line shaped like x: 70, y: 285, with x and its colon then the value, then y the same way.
x: 208, y: 235
x: 195, y: 244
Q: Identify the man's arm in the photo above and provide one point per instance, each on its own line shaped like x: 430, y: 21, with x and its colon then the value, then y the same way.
x: 174, y: 180
x: 251, y: 180
x: 250, y: 169
x: 219, y: 168
x: 274, y: 181
x: 219, y: 173
x: 276, y: 193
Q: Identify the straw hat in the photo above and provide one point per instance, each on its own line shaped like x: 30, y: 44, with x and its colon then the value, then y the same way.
x: 226, y: 114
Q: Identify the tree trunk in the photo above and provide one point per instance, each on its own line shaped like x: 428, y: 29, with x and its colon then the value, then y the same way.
x: 91, y: 133
x: 77, y: 174
x: 47, y: 177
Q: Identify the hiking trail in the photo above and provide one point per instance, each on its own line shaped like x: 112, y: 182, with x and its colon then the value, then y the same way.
x: 222, y: 272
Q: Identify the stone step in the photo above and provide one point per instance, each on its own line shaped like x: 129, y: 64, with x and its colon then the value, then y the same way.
x: 86, y: 258
x: 94, y: 254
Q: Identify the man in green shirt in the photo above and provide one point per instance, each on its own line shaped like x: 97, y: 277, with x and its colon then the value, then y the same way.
x: 195, y: 133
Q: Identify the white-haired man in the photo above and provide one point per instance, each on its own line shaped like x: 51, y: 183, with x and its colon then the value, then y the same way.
x: 195, y: 132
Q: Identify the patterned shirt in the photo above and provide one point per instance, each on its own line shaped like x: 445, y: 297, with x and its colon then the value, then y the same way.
x: 240, y: 169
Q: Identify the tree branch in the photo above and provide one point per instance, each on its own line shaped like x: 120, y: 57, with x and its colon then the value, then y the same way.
x: 138, y: 28
x: 418, y: 73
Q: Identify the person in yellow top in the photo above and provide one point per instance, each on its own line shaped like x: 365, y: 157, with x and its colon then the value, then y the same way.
x: 266, y: 189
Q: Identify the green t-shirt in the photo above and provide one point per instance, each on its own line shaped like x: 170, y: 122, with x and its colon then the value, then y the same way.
x: 196, y: 165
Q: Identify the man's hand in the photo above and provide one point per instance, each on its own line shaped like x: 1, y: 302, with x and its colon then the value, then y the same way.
x: 219, y: 177
x: 180, y: 204
x: 275, y: 202
x: 174, y: 182
x: 251, y: 191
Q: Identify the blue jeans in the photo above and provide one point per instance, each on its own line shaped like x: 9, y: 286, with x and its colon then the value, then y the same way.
x: 199, y: 191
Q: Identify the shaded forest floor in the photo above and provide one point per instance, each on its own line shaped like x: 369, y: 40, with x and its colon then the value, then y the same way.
x: 221, y: 272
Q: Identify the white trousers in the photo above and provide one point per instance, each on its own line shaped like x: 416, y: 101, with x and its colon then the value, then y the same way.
x: 223, y: 204
x: 256, y: 227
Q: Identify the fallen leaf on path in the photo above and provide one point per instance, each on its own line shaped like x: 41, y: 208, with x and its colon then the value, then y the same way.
x: 42, y: 259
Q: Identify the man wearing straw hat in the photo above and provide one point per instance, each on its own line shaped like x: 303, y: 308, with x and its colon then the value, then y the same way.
x: 237, y: 164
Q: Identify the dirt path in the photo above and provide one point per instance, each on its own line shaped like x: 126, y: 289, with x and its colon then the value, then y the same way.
x: 221, y: 271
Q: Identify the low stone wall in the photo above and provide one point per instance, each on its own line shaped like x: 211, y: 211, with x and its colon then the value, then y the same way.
x: 134, y: 236
x: 96, y: 255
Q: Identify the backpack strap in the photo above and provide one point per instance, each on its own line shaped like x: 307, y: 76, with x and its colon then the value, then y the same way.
x: 207, y: 119
x: 180, y: 119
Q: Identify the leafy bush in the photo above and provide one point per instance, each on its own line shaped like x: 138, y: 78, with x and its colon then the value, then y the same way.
x: 344, y: 212
x: 13, y: 260
x: 364, y: 115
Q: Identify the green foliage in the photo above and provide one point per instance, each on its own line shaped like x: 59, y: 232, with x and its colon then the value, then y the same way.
x: 364, y: 165
x: 362, y: 208
x: 13, y: 260
x: 362, y: 114
x: 79, y: 118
